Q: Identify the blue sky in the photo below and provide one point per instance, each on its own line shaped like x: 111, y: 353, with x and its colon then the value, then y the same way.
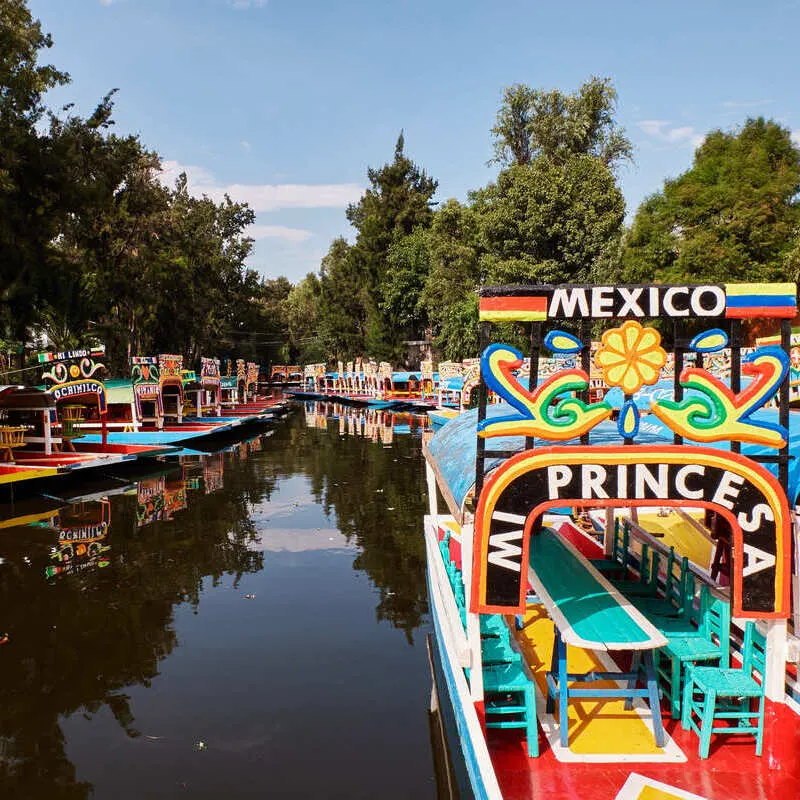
x: 286, y: 103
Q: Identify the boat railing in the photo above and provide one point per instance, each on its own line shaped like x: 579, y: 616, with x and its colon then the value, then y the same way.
x: 452, y: 628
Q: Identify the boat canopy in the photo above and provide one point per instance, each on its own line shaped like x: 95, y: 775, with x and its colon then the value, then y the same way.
x: 454, y: 384
x: 119, y: 391
x: 404, y: 377
x: 452, y: 449
x: 661, y: 390
x: 25, y: 397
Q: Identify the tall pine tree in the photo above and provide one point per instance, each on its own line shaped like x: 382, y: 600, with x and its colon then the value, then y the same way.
x: 397, y: 202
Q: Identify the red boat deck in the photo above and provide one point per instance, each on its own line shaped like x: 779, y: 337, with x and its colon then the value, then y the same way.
x: 732, y: 771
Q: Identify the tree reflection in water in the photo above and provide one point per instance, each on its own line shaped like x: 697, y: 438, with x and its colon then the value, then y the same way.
x: 80, y: 634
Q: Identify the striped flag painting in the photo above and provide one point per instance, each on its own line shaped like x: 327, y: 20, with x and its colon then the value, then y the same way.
x: 513, y: 309
x: 751, y: 300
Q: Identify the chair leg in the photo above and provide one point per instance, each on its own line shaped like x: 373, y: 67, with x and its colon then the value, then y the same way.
x: 707, y: 723
x: 760, y: 733
x: 532, y: 729
x: 686, y: 705
x: 675, y: 687
x: 551, y: 699
x: 563, y: 693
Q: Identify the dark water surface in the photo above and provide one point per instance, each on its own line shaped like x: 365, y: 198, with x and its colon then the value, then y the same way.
x: 242, y: 624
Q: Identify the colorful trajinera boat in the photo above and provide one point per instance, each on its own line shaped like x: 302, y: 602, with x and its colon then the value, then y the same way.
x: 50, y: 424
x: 578, y: 650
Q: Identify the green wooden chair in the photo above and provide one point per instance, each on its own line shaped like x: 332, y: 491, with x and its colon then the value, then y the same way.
x: 711, y: 642
x: 510, y: 701
x: 727, y: 694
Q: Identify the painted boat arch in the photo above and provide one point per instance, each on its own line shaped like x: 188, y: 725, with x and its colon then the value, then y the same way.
x: 517, y: 494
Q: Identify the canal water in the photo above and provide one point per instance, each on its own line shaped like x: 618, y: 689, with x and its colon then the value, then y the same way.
x: 247, y: 623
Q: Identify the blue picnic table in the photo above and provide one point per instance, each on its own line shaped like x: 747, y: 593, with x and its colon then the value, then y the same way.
x: 589, y: 612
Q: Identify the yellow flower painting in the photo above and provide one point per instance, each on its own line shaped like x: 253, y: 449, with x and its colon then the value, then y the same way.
x: 630, y: 356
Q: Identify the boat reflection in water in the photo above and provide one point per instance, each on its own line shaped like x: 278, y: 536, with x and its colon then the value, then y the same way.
x: 268, y: 600
x: 378, y: 425
x: 82, y: 531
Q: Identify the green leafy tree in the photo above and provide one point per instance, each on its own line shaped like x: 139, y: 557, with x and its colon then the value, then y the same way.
x: 533, y: 123
x: 734, y: 215
x: 397, y: 202
x: 302, y: 314
x: 551, y: 222
x: 28, y: 192
x: 409, y: 262
x: 110, y: 248
x: 449, y: 296
x: 343, y: 303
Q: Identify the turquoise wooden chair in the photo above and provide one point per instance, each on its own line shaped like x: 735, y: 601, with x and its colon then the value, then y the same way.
x: 688, y: 621
x: 711, y: 642
x: 673, y: 600
x: 498, y: 650
x: 444, y: 547
x: 645, y: 584
x: 617, y: 563
x: 711, y: 693
x: 510, y: 701
x: 493, y: 625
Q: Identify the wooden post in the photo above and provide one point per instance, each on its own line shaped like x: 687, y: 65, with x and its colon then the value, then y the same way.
x: 608, y: 537
x: 48, y: 433
x: 775, y: 679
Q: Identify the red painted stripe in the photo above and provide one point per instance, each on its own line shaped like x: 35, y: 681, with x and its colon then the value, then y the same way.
x: 514, y: 304
x: 778, y: 312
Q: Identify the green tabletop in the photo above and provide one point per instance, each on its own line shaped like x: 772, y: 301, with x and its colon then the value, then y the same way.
x: 588, y: 611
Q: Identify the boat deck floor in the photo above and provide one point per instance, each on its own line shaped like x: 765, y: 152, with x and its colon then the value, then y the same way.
x: 732, y: 771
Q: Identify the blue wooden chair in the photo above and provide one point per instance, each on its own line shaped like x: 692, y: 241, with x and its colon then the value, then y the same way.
x: 711, y: 642
x: 727, y: 694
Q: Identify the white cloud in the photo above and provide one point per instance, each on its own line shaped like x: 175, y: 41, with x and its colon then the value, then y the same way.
x: 278, y: 232
x: 745, y: 103
x: 106, y: 2
x: 796, y: 138
x: 663, y: 131
x: 245, y: 144
x: 652, y: 127
x: 264, y: 197
x: 247, y: 3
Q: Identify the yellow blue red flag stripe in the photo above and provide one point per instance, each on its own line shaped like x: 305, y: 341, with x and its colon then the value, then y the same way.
x: 749, y: 300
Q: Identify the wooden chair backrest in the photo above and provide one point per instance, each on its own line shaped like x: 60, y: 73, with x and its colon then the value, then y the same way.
x: 754, y: 651
x: 717, y: 624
